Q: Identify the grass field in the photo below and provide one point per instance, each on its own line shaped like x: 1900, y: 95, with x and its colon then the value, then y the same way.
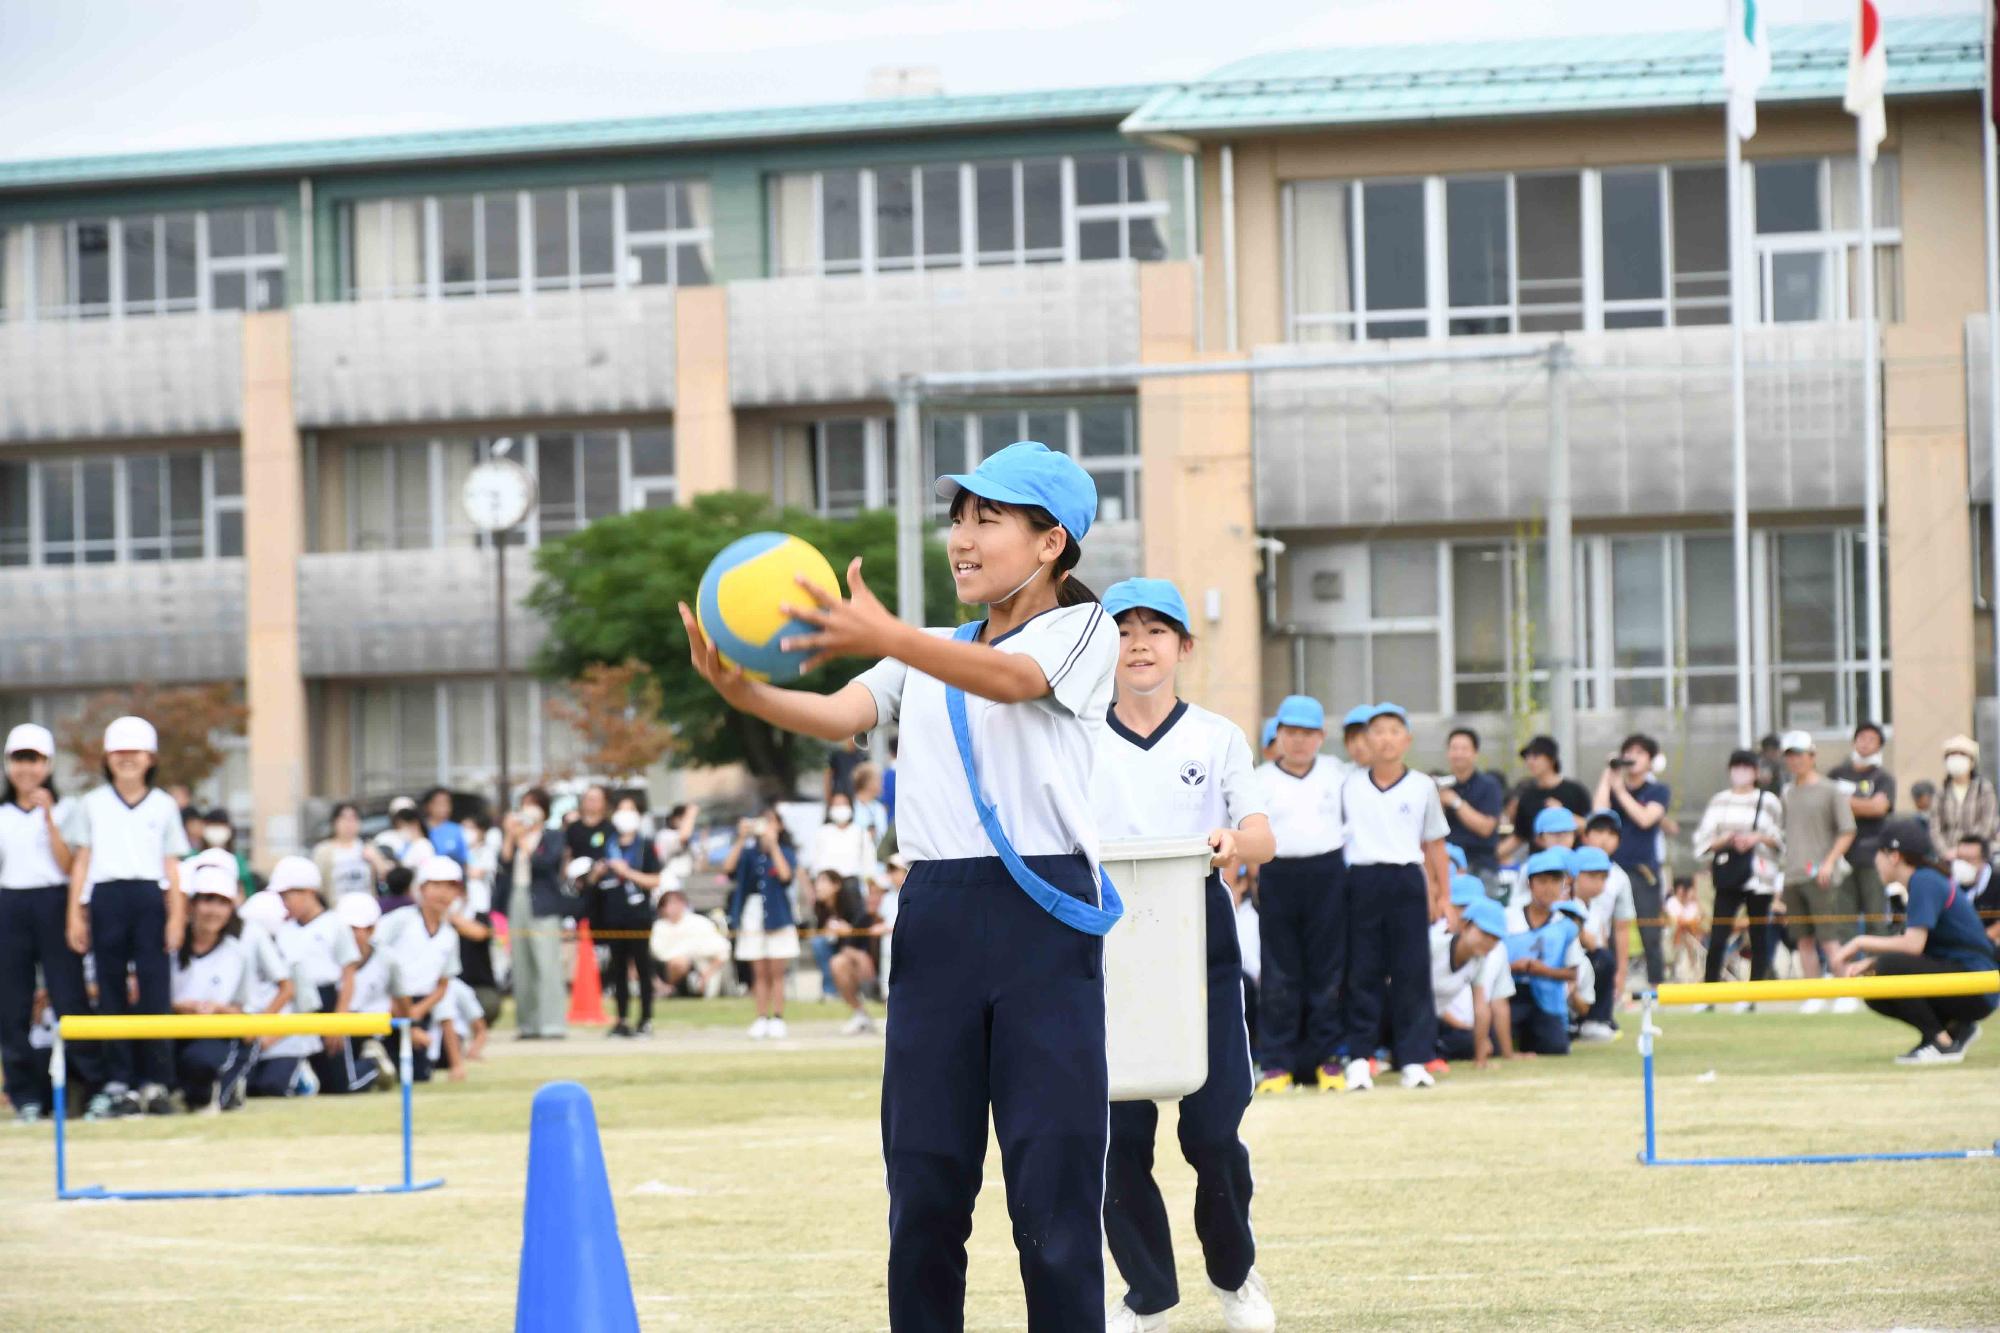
x: 748, y: 1182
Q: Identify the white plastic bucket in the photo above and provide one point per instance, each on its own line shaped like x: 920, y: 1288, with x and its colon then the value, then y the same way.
x: 1156, y: 969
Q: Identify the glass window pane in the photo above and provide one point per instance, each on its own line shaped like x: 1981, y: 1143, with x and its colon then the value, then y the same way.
x: 230, y: 291
x: 792, y: 198
x: 843, y: 465
x: 264, y: 231
x: 1051, y: 428
x: 1636, y: 319
x: 457, y: 243
x: 1807, y: 615
x: 267, y: 289
x: 229, y: 533
x: 840, y: 219
x: 994, y: 184
x: 100, y: 524
x: 653, y: 452
x: 1104, y: 430
x: 1405, y: 668
x: 141, y: 251
x: 1402, y: 578
x: 228, y: 472
x: 948, y: 447
x: 1393, y: 219
x: 1041, y: 205
x: 1324, y: 281
x: 470, y: 761
x: 458, y: 457
x: 1097, y: 180
x: 1144, y: 239
x: 1708, y: 601
x: 555, y: 480
x: 1633, y: 265
x: 997, y: 430
x: 501, y: 214
x: 1638, y: 604
x: 1477, y: 264
x: 1701, y: 244
x: 1099, y: 240
x: 14, y: 533
x: 59, y: 511
x: 1800, y: 291
x: 551, y: 208
x: 185, y: 505
x: 895, y: 215
x: 601, y: 494
x: 596, y: 228
x: 416, y: 734
x: 228, y: 233
x: 183, y: 282
x: 691, y: 264
x: 1787, y: 197
x: 413, y: 495
x: 145, y: 485
x: 646, y: 207
x: 1478, y: 611
x: 1549, y: 239
x: 93, y: 264
x: 1116, y: 498
x: 941, y: 213
x: 369, y: 503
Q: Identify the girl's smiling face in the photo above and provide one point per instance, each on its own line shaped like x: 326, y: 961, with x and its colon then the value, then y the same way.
x: 994, y: 550
x: 1150, y: 648
x: 212, y: 913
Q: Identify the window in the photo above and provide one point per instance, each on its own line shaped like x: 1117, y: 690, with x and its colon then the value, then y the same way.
x: 1808, y: 239
x: 1633, y: 221
x: 654, y: 233
x: 409, y: 735
x: 951, y: 215
x: 577, y: 477
x: 104, y: 508
x: 145, y: 264
x: 1361, y: 260
x: 16, y: 543
x: 246, y: 260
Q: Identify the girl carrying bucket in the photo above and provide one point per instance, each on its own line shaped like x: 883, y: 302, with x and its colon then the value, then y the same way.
x: 997, y: 992
x: 1166, y: 768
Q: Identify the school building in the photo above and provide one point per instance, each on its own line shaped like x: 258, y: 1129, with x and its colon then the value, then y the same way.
x: 240, y: 389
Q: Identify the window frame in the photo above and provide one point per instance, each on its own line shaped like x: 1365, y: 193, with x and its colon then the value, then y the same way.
x: 121, y: 547
x: 252, y: 265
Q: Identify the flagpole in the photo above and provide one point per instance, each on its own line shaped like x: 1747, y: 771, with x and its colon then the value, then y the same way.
x: 1992, y: 162
x: 1739, y: 467
x: 1871, y: 424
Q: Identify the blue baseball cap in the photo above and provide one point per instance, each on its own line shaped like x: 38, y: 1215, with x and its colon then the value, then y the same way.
x: 1270, y: 731
x: 1486, y: 915
x: 1385, y: 710
x: 1589, y: 860
x: 1357, y: 716
x: 1555, y: 819
x: 1149, y: 594
x: 1301, y: 710
x: 1548, y: 861
x: 1571, y: 907
x: 1466, y: 889
x: 1027, y: 473
x: 1456, y: 853
x: 1617, y: 821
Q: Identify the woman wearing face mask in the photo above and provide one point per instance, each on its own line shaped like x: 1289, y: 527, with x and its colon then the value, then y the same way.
x: 529, y: 880
x: 218, y: 834
x: 626, y: 881
x: 760, y: 915
x: 1742, y: 834
x: 840, y: 846
x: 1966, y: 804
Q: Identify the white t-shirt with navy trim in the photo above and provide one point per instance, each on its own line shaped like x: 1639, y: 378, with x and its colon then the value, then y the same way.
x: 1035, y: 758
x: 224, y: 975
x: 418, y: 959
x: 1192, y: 775
x: 1493, y: 975
x: 1304, y: 810
x: 371, y: 985
x: 318, y: 951
x: 269, y: 966
x: 1388, y: 826
x: 127, y: 841
x: 26, y: 859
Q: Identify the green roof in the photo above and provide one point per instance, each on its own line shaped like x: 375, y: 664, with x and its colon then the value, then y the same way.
x: 889, y: 116
x: 1453, y: 80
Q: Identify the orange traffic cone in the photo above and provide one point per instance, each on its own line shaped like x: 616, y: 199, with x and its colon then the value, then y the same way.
x: 586, y: 991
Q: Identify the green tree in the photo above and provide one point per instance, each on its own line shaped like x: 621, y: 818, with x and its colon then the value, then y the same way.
x: 609, y: 594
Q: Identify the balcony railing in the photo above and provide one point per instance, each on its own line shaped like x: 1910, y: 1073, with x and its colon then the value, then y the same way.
x: 84, y: 625
x: 362, y: 363
x: 1648, y: 419
x: 81, y: 379
x: 375, y: 613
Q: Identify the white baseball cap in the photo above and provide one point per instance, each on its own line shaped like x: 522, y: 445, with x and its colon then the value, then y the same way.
x: 294, y: 872
x: 131, y: 733
x: 578, y: 867
x: 30, y: 736
x: 264, y: 909
x: 212, y: 880
x: 213, y: 856
x: 1800, y: 741
x: 440, y: 868
x: 399, y: 804
x: 358, y: 910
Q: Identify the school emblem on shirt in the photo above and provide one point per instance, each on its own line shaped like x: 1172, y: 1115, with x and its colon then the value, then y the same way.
x: 1194, y: 773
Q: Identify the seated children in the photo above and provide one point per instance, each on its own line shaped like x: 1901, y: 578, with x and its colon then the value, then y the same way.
x: 1603, y: 830
x: 1458, y: 971
x: 359, y: 913
x: 1538, y: 941
x: 212, y: 973
x: 689, y: 947
x: 322, y: 954
x: 1604, y: 939
x: 422, y: 949
x: 1683, y: 910
x: 280, y: 1069
x: 1582, y: 991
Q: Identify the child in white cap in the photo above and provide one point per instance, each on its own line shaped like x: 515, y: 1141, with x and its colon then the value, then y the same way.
x: 126, y: 908
x: 422, y: 951
x: 216, y: 970
x: 320, y: 949
x: 360, y: 913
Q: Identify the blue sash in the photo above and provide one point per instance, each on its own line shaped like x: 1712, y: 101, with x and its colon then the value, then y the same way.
x: 1072, y: 912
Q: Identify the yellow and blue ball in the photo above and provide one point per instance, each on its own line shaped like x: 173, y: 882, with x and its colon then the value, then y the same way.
x: 742, y: 593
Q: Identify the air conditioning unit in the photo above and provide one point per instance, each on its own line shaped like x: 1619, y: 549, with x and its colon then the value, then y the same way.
x: 1329, y: 586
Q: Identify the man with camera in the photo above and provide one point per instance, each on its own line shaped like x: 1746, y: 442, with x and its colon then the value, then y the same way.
x: 1641, y: 800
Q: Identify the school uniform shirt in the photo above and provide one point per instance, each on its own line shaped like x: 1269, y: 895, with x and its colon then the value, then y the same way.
x: 26, y: 860
x: 1451, y: 987
x: 317, y: 951
x: 1388, y: 826
x: 371, y: 985
x: 1550, y: 943
x: 1946, y: 911
x: 1305, y: 808
x: 269, y: 966
x: 460, y: 1008
x: 1610, y: 907
x: 1493, y: 975
x: 1034, y: 759
x: 418, y: 958
x: 127, y: 841
x: 224, y: 975
x: 1194, y: 774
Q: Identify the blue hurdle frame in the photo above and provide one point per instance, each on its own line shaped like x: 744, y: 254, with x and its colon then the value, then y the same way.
x: 1650, y: 1155
x: 59, y: 1079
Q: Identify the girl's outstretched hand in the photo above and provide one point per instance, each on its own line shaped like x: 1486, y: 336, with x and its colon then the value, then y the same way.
x: 859, y: 626
x: 729, y: 681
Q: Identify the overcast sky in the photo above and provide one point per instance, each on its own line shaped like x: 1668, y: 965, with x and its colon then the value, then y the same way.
x: 84, y: 77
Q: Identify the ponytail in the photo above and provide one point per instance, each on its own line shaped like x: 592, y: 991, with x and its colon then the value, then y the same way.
x: 1071, y: 590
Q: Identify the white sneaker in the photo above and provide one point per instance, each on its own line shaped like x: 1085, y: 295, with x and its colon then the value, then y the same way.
x: 1813, y: 1007
x: 1358, y: 1077
x: 1596, y: 1032
x: 1416, y: 1076
x: 858, y: 1025
x: 775, y: 1029
x: 760, y: 1029
x: 1122, y: 1318
x: 1743, y: 1007
x: 1847, y: 1004
x: 1248, y: 1308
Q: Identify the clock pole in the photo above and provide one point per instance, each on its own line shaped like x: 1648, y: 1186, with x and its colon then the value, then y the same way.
x: 499, y: 494
x: 500, y: 668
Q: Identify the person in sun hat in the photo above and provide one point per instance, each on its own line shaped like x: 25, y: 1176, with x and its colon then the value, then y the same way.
x: 1460, y: 974
x: 996, y: 1000
x: 1538, y: 943
x: 321, y: 950
x: 1167, y: 768
x: 214, y: 971
x: 423, y: 957
x: 126, y: 908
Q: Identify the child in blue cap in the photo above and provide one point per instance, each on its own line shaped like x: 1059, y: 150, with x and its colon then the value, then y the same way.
x: 996, y: 993
x: 1459, y: 975
x: 1538, y: 942
x: 1302, y: 908
x: 1167, y: 768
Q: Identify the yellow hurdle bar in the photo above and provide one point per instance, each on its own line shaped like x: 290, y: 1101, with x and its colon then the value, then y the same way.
x: 192, y: 1027
x: 1823, y: 988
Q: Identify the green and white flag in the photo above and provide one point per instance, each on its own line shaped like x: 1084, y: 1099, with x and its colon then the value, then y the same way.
x: 1746, y: 63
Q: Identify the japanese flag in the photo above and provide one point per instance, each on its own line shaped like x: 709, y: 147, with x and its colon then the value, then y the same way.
x: 1867, y: 76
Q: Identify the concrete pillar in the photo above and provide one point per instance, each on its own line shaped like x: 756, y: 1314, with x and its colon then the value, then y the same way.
x: 704, y: 421
x: 273, y: 538
x: 1196, y: 497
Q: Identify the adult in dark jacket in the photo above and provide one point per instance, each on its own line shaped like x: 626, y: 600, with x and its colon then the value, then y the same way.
x: 533, y: 857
